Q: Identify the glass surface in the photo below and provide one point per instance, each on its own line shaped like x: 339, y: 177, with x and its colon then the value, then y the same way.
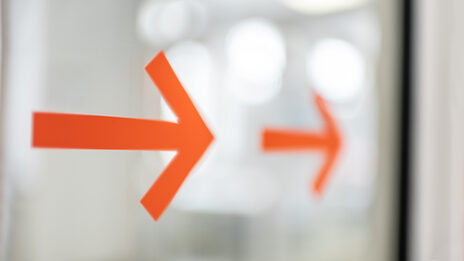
x: 247, y: 65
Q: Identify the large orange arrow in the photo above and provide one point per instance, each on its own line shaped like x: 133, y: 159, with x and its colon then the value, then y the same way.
x: 190, y: 136
x: 328, y: 140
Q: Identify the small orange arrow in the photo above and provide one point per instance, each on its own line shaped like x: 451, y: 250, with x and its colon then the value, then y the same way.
x: 190, y: 136
x: 329, y: 141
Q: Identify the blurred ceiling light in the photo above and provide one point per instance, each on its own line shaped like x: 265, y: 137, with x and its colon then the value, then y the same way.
x: 192, y: 63
x: 322, y: 6
x: 167, y: 22
x: 256, y: 55
x: 336, y: 69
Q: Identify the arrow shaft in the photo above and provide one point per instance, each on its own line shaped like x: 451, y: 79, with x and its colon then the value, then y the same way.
x: 76, y: 131
x: 290, y: 140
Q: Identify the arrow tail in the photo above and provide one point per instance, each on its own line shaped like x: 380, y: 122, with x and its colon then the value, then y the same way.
x: 291, y: 140
x: 77, y: 131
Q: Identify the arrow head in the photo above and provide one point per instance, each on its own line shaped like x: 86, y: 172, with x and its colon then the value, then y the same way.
x: 193, y: 133
x: 333, y: 144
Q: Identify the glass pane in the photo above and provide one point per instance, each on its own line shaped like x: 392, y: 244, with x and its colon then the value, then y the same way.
x: 290, y: 89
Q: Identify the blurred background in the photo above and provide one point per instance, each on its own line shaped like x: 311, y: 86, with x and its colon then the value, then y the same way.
x: 246, y: 65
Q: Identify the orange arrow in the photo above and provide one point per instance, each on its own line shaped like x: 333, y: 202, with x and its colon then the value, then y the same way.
x: 328, y: 141
x: 190, y: 136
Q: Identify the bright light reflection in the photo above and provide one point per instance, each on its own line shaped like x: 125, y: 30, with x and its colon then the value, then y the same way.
x: 336, y: 69
x: 256, y: 54
x: 322, y: 6
x: 167, y: 22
